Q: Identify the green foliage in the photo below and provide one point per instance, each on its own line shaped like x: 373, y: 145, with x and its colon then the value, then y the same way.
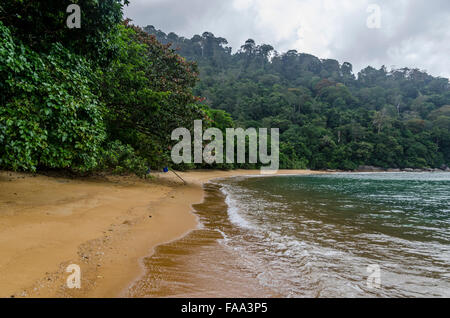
x: 48, y: 114
x: 112, y: 109
x: 120, y: 158
x: 107, y: 97
x: 148, y: 93
x: 328, y: 117
x: 39, y: 24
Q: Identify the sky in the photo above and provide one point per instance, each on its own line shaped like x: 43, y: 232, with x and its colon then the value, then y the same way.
x: 394, y: 33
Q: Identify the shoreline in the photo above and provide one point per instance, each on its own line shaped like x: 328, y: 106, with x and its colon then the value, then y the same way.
x: 106, y: 225
x: 201, y: 178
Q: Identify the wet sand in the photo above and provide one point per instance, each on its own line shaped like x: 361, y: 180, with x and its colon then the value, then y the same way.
x: 109, y: 226
x: 197, y: 265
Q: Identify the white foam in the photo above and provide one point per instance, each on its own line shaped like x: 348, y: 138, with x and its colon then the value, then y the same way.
x: 225, y: 237
x: 233, y: 210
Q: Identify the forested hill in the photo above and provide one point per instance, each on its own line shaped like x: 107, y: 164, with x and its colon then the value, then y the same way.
x: 107, y: 96
x: 328, y: 116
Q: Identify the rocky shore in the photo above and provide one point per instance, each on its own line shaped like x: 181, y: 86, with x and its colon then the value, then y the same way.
x: 443, y: 168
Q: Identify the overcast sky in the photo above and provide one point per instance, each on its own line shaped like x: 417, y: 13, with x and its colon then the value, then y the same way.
x: 411, y: 33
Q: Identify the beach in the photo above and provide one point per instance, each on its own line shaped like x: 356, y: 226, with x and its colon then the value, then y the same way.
x: 107, y: 225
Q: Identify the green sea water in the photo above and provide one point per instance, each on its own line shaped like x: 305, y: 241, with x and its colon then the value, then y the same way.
x: 343, y: 235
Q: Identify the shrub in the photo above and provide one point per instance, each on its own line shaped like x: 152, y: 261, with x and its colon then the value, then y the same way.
x: 120, y: 158
x: 48, y: 114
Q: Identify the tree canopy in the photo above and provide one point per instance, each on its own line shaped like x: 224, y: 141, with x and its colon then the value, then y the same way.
x: 102, y: 97
x: 328, y: 116
x: 108, y: 95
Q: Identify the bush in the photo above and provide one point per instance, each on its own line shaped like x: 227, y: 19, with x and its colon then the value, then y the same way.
x: 48, y: 114
x: 120, y: 158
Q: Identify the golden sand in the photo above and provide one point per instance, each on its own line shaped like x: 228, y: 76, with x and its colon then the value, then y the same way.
x: 106, y: 225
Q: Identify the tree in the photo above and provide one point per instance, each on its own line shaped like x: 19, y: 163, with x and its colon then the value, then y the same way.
x: 49, y: 115
x: 148, y: 92
x: 39, y: 24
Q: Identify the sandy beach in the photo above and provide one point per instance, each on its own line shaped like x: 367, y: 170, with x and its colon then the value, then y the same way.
x: 106, y: 225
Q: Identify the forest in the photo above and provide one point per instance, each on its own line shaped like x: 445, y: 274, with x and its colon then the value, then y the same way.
x: 103, y: 97
x: 106, y: 97
x: 329, y: 118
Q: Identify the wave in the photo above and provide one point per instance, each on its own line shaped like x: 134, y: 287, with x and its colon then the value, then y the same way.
x: 300, y: 246
x: 233, y: 209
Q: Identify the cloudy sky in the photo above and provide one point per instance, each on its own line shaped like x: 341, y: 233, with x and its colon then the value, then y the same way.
x: 412, y: 33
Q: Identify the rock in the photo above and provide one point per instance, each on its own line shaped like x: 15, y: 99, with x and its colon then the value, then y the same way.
x: 369, y: 169
x: 408, y: 170
x: 393, y: 170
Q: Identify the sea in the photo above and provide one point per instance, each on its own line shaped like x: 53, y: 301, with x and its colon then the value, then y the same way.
x: 321, y: 235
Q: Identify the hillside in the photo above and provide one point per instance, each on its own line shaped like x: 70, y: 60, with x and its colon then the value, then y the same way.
x: 328, y: 116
